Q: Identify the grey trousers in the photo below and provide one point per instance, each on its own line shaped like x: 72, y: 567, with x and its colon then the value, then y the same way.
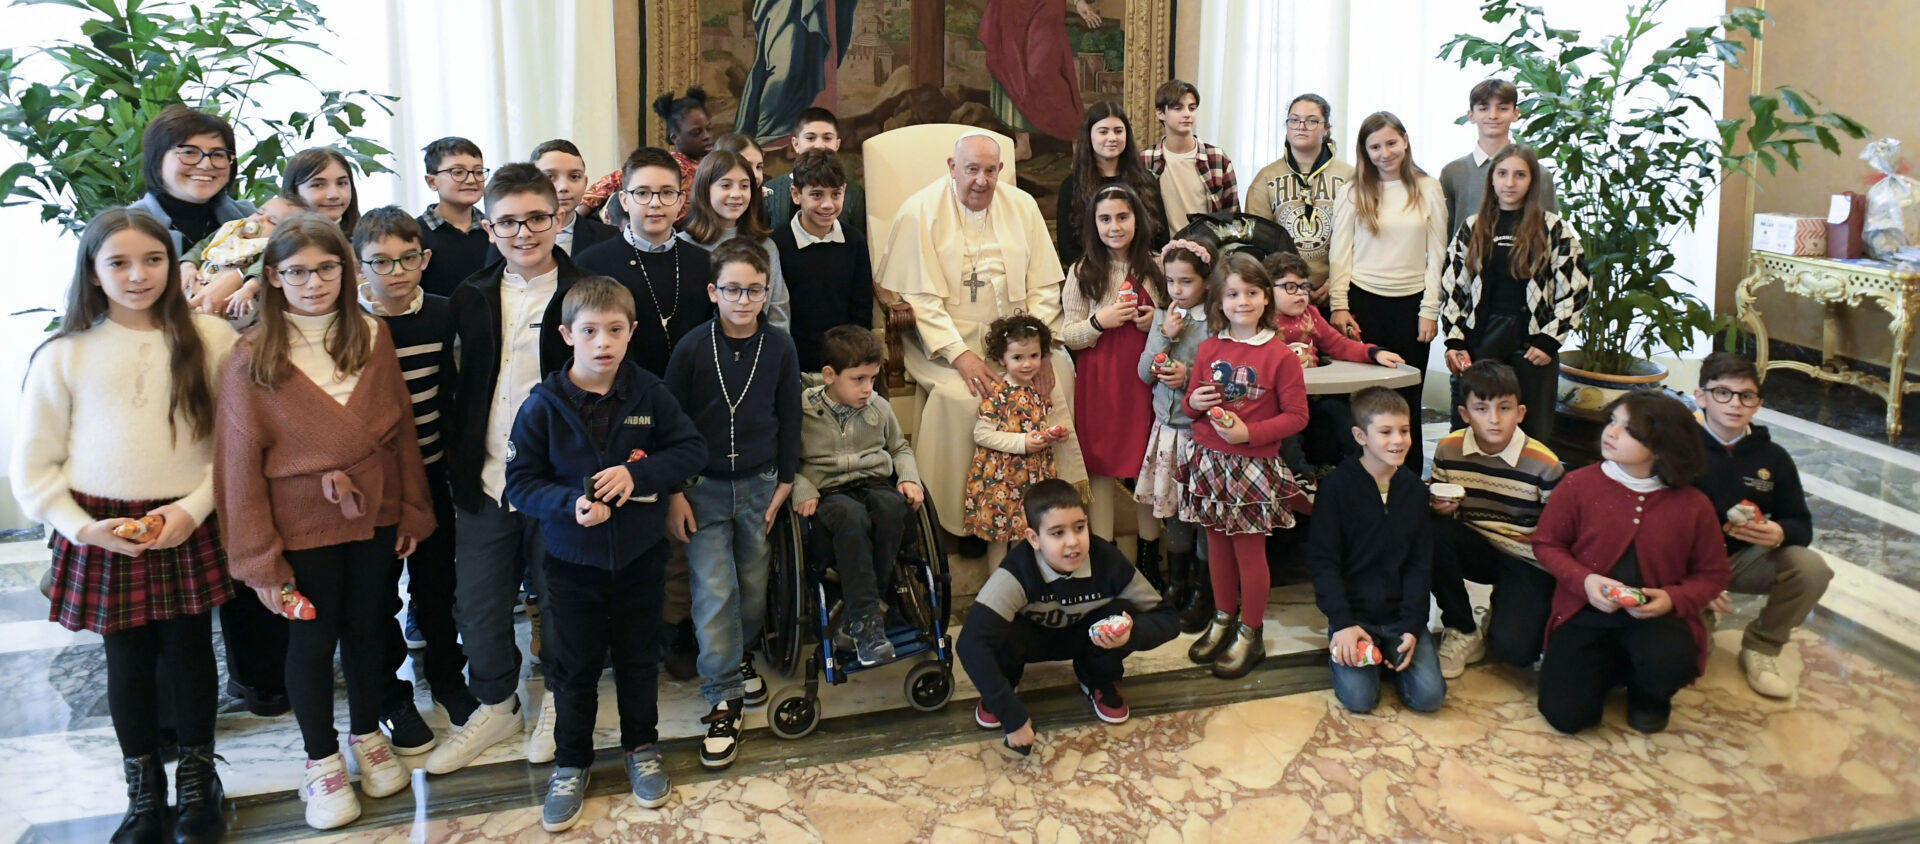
x: 1792, y: 577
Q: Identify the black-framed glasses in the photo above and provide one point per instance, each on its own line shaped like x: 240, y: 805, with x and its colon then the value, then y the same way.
x: 646, y: 195
x: 1723, y: 395
x: 461, y: 174
x: 388, y: 266
x: 1294, y: 288
x: 1308, y: 123
x: 536, y: 224
x: 755, y: 293
x: 190, y: 155
x: 301, y: 276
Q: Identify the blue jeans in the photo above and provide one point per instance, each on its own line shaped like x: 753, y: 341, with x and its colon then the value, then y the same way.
x: 1421, y: 687
x: 488, y: 546
x: 727, y: 559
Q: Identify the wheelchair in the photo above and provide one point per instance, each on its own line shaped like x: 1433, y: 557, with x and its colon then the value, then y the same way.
x: 804, y: 607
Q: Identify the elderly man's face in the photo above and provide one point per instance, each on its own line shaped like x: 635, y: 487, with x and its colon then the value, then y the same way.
x: 975, y: 167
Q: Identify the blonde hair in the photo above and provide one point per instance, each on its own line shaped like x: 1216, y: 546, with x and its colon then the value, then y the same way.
x: 1367, y: 178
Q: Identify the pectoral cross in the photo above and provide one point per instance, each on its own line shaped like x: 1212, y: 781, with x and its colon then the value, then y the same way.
x: 973, y: 285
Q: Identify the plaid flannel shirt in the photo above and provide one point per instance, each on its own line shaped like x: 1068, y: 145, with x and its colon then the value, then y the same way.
x: 1216, y: 173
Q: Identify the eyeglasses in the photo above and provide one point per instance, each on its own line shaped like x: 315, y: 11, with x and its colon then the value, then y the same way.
x: 756, y: 293
x: 1309, y: 123
x: 536, y: 223
x: 1294, y: 288
x: 300, y: 276
x: 461, y: 174
x: 645, y: 195
x: 1723, y: 395
x: 388, y: 266
x: 191, y: 155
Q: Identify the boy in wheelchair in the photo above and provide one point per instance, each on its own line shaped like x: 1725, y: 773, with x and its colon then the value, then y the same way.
x: 1062, y: 594
x: 857, y: 480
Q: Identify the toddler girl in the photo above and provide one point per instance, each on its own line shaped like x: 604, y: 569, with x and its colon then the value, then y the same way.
x: 1021, y: 436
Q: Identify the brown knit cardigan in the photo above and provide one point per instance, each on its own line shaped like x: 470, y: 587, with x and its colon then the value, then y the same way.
x: 295, y: 469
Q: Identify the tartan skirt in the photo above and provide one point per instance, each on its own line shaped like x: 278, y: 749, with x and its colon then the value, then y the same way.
x: 1235, y: 494
x: 98, y: 590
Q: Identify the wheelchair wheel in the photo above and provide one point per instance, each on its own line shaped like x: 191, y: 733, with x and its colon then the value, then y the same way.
x: 929, y: 686
x: 792, y: 714
x: 931, y: 601
x: 790, y: 612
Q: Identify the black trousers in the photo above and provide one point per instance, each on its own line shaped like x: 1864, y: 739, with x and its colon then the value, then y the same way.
x: 1027, y: 643
x: 349, y: 585
x: 587, y: 612
x: 1522, y: 594
x: 256, y: 641
x: 1393, y: 323
x: 1593, y: 652
x: 866, y: 523
x: 184, y: 644
x: 430, y: 585
x: 1503, y: 337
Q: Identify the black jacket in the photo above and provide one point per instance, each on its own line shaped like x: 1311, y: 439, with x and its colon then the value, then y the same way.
x: 553, y: 454
x: 1760, y: 471
x: 1371, y: 563
x: 588, y: 231
x: 476, y: 364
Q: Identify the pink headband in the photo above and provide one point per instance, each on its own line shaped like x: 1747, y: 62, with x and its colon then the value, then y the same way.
x: 1190, y: 246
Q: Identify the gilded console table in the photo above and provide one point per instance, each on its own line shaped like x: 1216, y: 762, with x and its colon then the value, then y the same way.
x: 1836, y: 284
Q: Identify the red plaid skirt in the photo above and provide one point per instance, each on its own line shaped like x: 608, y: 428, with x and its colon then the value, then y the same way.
x: 96, y: 589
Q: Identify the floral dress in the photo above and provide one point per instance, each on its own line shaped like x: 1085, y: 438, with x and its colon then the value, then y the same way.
x: 998, y: 479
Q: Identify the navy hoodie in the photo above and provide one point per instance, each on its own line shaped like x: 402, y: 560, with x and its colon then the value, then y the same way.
x: 1756, y: 469
x: 551, y: 452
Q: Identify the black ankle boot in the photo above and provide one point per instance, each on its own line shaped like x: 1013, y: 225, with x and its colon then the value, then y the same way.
x: 1179, y: 568
x: 1149, y: 564
x: 146, y: 818
x: 1199, y: 606
x: 200, y: 817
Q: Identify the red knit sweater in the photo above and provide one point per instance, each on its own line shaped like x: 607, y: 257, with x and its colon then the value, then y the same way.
x: 1310, y: 328
x: 1675, y: 534
x: 273, y: 448
x: 1275, y: 406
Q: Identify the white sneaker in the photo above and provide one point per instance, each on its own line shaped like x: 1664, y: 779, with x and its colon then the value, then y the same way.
x: 330, y: 799
x: 1763, y: 674
x: 380, y: 773
x: 1459, y: 650
x: 489, y: 725
x: 540, y: 742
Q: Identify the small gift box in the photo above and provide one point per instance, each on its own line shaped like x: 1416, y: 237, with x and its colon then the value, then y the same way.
x: 1790, y: 234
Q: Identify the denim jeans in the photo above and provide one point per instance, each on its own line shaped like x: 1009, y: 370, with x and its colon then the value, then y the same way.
x: 727, y: 559
x: 1421, y: 687
x: 487, y: 545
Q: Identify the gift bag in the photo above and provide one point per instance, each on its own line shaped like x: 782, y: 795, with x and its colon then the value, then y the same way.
x: 1893, y: 204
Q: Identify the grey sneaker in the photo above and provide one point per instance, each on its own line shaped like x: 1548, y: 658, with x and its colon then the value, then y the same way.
x: 870, y: 643
x: 648, y: 775
x: 566, y: 796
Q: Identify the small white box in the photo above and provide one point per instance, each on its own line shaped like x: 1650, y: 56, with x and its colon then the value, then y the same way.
x: 1790, y: 234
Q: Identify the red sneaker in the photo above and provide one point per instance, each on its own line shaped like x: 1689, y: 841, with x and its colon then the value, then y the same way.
x: 984, y: 718
x: 1107, y: 703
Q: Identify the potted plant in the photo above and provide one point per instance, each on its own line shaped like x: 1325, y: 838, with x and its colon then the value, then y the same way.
x: 1635, y: 159
x: 80, y: 135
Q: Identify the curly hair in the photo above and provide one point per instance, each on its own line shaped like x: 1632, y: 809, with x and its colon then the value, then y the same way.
x: 1018, y: 328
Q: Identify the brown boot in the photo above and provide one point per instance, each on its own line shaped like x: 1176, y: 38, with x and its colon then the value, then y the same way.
x: 1214, y: 640
x: 1242, y: 655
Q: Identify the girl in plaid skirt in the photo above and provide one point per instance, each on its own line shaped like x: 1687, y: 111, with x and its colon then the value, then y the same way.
x: 1177, y: 331
x: 1247, y: 394
x: 114, y: 454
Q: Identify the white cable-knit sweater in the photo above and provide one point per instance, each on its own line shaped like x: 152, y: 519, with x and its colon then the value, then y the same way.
x: 93, y: 419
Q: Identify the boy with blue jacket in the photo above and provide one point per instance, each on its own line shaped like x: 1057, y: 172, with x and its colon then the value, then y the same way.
x: 593, y: 448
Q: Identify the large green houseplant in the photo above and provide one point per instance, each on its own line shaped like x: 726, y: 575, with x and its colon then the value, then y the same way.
x: 1636, y: 156
x: 80, y: 134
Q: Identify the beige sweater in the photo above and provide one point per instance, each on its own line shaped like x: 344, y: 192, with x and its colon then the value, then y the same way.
x: 278, y: 451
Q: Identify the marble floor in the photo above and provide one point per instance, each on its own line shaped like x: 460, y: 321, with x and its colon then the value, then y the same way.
x: 1270, y: 756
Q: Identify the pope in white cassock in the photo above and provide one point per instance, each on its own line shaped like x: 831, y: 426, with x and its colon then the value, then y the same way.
x: 965, y: 251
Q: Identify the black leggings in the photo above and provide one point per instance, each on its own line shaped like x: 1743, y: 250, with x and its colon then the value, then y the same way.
x: 1592, y: 653
x: 1393, y: 323
x: 349, y: 585
x: 134, y: 656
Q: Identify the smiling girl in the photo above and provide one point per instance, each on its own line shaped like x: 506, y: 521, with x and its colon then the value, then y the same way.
x: 725, y: 203
x: 1105, y: 154
x: 323, y: 178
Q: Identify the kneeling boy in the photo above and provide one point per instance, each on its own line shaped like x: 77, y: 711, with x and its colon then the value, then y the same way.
x: 851, y: 451
x: 1041, y: 605
x: 605, y: 532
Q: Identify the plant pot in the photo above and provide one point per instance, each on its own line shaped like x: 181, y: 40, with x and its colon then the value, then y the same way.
x: 1585, y: 394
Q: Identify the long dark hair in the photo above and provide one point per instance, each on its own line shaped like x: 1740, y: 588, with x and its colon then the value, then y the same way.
x: 1366, y: 178
x: 703, y: 220
x: 305, y: 164
x: 1531, y: 254
x: 1666, y: 428
x: 1096, y: 260
x: 1132, y: 172
x: 349, y: 341
x: 87, y: 305
x: 757, y: 206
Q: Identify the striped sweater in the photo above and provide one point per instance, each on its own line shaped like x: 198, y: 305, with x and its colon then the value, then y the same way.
x: 1505, y: 491
x: 423, y: 337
